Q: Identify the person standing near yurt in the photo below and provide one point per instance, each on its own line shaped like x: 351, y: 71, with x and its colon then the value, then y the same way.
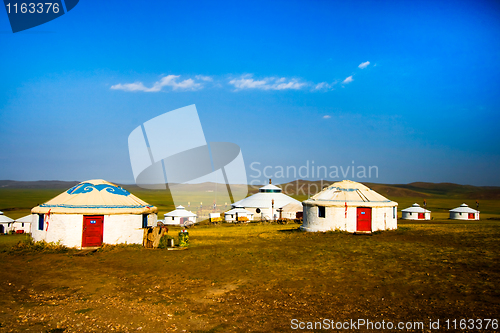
x: 93, y: 213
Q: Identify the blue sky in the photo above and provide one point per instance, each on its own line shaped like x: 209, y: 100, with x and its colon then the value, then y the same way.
x: 412, y: 88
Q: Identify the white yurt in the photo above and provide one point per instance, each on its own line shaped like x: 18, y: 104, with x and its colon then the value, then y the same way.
x: 291, y: 211
x: 265, y: 203
x: 23, y: 224
x: 180, y: 216
x: 415, y: 212
x: 6, y: 224
x: 237, y: 213
x: 351, y: 207
x: 92, y: 213
x: 464, y: 212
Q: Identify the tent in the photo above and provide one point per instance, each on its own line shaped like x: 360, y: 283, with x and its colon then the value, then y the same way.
x: 180, y: 216
x: 349, y: 206
x: 237, y: 213
x: 464, y: 212
x: 5, y: 224
x: 415, y: 212
x: 266, y: 202
x: 23, y: 224
x: 92, y: 213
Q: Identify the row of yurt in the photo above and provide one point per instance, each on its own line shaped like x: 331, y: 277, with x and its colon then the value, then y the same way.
x: 464, y: 212
x: 349, y: 206
x: 92, y: 213
x: 180, y: 216
x: 266, y: 203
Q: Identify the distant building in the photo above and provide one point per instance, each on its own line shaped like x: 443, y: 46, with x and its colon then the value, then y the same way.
x: 92, y: 213
x: 5, y: 224
x: 415, y: 212
x: 180, y: 216
x: 349, y: 206
x: 265, y: 203
x: 23, y: 224
x: 464, y: 212
x: 238, y: 214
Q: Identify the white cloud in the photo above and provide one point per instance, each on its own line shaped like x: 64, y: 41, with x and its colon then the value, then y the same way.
x: 324, y: 86
x: 364, y: 64
x: 204, y: 78
x: 348, y: 80
x: 169, y: 81
x: 326, y: 117
x: 270, y: 83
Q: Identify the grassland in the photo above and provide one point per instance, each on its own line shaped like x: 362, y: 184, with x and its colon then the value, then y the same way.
x: 257, y: 277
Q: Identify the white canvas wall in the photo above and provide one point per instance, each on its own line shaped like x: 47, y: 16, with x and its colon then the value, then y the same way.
x: 414, y: 216
x: 67, y: 228
x: 463, y: 216
x: 335, y: 219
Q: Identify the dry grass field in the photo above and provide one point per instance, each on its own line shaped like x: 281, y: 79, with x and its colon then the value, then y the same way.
x: 256, y: 277
x: 259, y: 277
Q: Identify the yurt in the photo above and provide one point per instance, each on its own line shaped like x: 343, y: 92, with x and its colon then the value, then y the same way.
x: 464, y: 212
x: 92, y: 213
x: 351, y: 207
x: 5, y: 224
x: 291, y: 211
x: 180, y: 216
x: 238, y: 214
x: 415, y: 212
x: 265, y: 203
x: 23, y: 224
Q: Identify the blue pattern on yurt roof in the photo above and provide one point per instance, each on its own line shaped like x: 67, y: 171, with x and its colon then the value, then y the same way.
x: 88, y: 187
x: 93, y: 206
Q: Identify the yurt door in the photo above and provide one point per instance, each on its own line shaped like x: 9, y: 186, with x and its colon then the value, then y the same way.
x: 421, y: 216
x: 92, y: 230
x: 471, y: 216
x: 364, y: 219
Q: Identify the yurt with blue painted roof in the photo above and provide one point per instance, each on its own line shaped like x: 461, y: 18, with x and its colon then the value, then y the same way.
x: 93, y: 213
x: 349, y: 206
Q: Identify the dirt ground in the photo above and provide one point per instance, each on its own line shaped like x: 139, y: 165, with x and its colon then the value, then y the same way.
x: 257, y: 278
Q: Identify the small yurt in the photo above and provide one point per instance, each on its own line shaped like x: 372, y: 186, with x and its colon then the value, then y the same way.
x: 291, y: 211
x: 238, y: 214
x: 5, y: 224
x: 23, y: 224
x: 415, y: 212
x: 265, y: 203
x: 351, y: 207
x: 180, y: 216
x: 92, y: 213
x: 464, y: 212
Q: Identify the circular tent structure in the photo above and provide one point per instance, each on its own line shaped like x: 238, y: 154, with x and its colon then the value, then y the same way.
x: 180, y: 216
x: 92, y: 213
x: 23, y: 224
x: 464, y: 212
x: 415, y: 212
x: 266, y: 202
x: 351, y: 207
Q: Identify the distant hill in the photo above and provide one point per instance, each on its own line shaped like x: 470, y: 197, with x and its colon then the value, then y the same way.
x: 39, y: 184
x: 306, y: 187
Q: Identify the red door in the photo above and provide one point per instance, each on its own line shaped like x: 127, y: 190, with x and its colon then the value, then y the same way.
x: 471, y: 216
x: 421, y: 216
x: 364, y: 219
x: 92, y: 230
